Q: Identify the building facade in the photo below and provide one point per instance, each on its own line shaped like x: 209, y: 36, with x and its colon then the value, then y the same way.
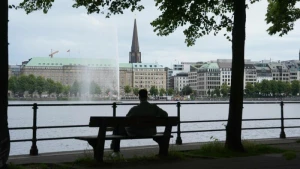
x: 180, y: 80
x: 250, y: 75
x: 225, y: 72
x: 279, y: 71
x: 169, y: 73
x: 14, y: 70
x: 68, y: 70
x: 263, y: 72
x: 208, y: 78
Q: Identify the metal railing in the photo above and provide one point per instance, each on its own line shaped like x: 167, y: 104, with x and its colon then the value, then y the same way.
x: 34, y: 139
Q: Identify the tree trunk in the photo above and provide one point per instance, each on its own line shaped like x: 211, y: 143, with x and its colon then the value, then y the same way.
x: 234, y: 125
x: 4, y: 133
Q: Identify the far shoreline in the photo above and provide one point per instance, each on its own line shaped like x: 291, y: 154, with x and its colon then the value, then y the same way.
x: 114, y: 100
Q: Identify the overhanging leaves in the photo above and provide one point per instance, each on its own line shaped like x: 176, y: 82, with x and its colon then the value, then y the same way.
x: 201, y: 16
x: 282, y: 14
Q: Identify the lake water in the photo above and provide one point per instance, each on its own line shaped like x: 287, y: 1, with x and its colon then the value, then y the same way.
x: 79, y: 115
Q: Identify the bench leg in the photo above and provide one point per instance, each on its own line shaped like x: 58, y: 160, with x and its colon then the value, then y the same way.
x: 163, y: 144
x: 116, y: 145
x: 93, y: 143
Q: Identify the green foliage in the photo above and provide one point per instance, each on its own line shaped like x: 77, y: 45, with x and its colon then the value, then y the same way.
x: 217, y: 92
x: 224, y: 89
x: 75, y: 88
x: 289, y: 155
x: 249, y: 89
x: 170, y: 91
x: 15, y: 166
x: 50, y: 86
x: 265, y: 87
x: 66, y: 90
x: 217, y: 149
x: 127, y: 89
x: 208, y: 92
x: 199, y: 18
x: 273, y: 87
x: 281, y: 87
x: 31, y: 84
x: 13, y: 84
x: 94, y: 88
x: 281, y: 15
x: 22, y: 83
x: 295, y: 86
x: 104, y: 7
x: 288, y: 88
x: 162, y: 91
x: 40, y: 85
x: 153, y: 91
x: 58, y: 88
x: 186, y: 90
x: 136, y: 91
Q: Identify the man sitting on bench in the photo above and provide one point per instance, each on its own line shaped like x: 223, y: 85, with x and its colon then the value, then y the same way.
x: 144, y: 109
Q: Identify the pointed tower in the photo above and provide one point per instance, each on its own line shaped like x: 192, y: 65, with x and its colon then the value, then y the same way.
x: 135, y: 54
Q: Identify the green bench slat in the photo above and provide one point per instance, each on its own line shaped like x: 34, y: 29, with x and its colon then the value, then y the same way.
x: 111, y: 137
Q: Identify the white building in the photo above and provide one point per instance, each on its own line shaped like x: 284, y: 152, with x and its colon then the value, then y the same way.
x: 182, y: 67
x: 225, y: 72
x: 180, y: 80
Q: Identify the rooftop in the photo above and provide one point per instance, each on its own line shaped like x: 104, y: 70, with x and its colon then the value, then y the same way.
x: 210, y: 66
x: 141, y: 65
x: 90, y: 62
x: 51, y: 62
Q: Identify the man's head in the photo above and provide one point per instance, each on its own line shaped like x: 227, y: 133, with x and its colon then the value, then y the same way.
x: 143, y: 95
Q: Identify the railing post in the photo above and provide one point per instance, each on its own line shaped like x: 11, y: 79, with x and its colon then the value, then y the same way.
x: 114, y: 106
x: 282, y: 133
x: 34, y: 150
x: 178, y: 139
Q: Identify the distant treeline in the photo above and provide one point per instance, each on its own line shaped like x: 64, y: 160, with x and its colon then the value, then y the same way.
x: 39, y: 85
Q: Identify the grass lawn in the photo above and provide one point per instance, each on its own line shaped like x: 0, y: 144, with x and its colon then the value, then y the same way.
x: 212, y: 150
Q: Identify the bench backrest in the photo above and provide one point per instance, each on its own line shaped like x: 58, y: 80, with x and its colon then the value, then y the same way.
x: 98, y: 121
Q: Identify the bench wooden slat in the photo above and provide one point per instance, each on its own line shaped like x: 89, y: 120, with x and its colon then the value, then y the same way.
x: 111, y: 137
x: 98, y: 121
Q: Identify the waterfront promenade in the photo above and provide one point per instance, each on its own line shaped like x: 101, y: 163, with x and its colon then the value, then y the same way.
x: 262, y: 161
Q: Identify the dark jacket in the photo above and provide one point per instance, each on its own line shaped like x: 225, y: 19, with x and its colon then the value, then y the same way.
x: 144, y: 109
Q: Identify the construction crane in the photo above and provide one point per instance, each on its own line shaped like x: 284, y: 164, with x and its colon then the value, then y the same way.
x: 52, y: 53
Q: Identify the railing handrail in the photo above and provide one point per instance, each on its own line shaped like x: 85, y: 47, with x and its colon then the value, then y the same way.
x: 34, y: 150
x: 159, y: 103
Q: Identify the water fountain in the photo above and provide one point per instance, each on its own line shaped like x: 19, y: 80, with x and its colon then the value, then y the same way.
x: 105, y: 74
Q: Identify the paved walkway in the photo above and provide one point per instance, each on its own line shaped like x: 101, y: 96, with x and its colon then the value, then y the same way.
x: 263, y: 161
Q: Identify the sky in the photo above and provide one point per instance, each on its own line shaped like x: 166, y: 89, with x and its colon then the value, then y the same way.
x: 65, y: 28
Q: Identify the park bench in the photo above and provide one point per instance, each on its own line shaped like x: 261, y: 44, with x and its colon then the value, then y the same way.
x: 97, y: 142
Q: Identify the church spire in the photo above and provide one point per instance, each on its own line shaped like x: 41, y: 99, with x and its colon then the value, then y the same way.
x: 135, y: 39
x: 135, y: 54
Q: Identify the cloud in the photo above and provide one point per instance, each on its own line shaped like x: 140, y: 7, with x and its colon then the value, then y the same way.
x: 94, y: 35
